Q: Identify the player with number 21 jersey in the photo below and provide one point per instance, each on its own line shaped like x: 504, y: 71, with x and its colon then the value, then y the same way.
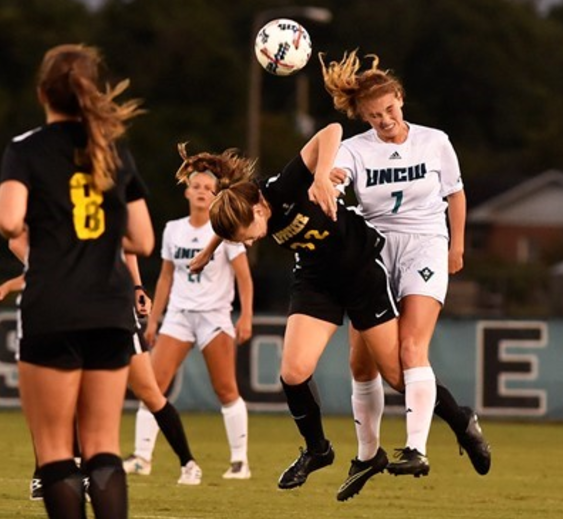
x: 212, y: 289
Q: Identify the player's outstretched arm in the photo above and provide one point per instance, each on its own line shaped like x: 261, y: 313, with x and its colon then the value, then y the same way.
x: 319, y: 154
x: 245, y: 288
x: 202, y: 258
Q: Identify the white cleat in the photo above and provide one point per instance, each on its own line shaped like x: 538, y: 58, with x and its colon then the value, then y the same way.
x: 137, y: 465
x: 191, y: 474
x: 238, y: 470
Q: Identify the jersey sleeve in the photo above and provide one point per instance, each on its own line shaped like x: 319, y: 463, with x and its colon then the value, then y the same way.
x: 166, y: 252
x: 13, y: 166
x: 135, y: 187
x: 234, y: 249
x: 450, y: 173
x: 283, y: 186
x: 345, y: 160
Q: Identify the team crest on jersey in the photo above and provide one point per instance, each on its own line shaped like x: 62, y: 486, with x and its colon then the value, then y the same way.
x: 426, y: 273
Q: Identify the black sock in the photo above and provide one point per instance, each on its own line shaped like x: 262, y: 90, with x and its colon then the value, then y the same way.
x: 108, y: 486
x: 171, y: 426
x: 448, y: 409
x: 304, y: 404
x: 63, y: 491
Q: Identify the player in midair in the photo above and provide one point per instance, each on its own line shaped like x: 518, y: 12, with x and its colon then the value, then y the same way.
x: 405, y: 177
x: 337, y: 271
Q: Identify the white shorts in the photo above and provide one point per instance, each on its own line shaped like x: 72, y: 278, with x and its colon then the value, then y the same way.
x: 417, y: 264
x: 199, y: 328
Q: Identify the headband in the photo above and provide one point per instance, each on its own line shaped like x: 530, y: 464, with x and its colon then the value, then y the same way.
x: 206, y: 172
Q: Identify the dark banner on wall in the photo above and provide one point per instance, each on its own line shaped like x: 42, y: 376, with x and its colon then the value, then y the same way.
x: 502, y: 368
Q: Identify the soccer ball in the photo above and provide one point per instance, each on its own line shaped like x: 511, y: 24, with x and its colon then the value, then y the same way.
x: 283, y: 47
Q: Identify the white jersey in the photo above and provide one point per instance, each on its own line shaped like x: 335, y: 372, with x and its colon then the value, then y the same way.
x: 214, y: 287
x: 400, y: 187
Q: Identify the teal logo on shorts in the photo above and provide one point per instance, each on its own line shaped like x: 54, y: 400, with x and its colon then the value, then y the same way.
x: 426, y: 273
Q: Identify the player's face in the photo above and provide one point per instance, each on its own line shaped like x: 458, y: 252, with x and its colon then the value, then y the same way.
x: 385, y: 115
x: 256, y: 230
x: 200, y: 191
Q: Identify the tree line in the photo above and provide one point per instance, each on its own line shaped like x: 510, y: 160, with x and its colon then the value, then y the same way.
x: 488, y: 72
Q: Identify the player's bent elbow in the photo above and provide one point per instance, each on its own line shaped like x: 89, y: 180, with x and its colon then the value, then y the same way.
x: 142, y: 245
x: 145, y: 250
x: 147, y: 244
x: 10, y: 228
x: 145, y: 247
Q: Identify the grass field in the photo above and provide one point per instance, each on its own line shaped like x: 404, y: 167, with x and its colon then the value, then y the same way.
x: 526, y: 480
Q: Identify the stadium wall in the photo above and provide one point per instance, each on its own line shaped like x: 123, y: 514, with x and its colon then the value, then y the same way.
x: 503, y: 368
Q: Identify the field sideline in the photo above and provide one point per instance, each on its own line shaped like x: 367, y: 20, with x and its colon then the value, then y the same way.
x: 525, y: 480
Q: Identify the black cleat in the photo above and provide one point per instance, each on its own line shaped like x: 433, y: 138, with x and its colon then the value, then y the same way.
x: 296, y: 474
x: 473, y: 442
x: 409, y: 462
x: 360, y: 472
x: 35, y: 488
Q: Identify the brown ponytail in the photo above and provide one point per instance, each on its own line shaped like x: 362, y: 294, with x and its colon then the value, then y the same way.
x: 227, y: 167
x: 68, y: 78
x: 348, y: 86
x: 237, y: 194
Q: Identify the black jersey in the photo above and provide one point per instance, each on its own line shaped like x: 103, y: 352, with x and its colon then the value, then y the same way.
x: 322, y: 246
x: 76, y: 278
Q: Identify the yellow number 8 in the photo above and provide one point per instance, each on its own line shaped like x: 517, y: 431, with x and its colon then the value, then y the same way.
x: 88, y: 215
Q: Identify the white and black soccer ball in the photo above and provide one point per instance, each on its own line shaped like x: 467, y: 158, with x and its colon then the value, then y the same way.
x: 283, y: 47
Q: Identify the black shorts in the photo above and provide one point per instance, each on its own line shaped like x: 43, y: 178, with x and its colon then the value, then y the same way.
x: 365, y: 296
x: 104, y: 348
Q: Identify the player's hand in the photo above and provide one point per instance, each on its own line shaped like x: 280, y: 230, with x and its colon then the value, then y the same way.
x: 455, y: 261
x: 338, y: 176
x: 150, y: 332
x: 143, y: 303
x: 3, y: 291
x: 323, y: 193
x: 199, y: 261
x: 243, y: 329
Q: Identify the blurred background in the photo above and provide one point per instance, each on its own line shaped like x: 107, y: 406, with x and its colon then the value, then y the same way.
x: 487, y: 72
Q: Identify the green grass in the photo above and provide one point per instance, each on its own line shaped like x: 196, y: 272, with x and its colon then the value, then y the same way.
x: 526, y: 480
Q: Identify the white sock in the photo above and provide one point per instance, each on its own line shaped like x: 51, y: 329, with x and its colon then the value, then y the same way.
x: 235, y: 417
x: 420, y: 397
x: 368, y: 401
x: 146, y: 431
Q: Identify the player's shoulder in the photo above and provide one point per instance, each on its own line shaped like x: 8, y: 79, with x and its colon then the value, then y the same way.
x: 29, y: 137
x: 177, y: 223
x: 360, y: 139
x: 234, y: 246
x: 427, y: 133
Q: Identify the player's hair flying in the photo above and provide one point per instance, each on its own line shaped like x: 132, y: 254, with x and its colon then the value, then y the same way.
x: 69, y: 81
x: 228, y: 167
x: 348, y: 86
x: 236, y: 194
